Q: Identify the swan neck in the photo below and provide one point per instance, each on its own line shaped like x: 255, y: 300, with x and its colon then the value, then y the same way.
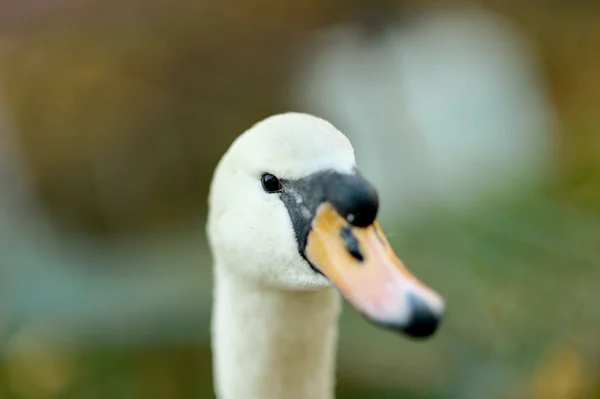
x: 273, y: 344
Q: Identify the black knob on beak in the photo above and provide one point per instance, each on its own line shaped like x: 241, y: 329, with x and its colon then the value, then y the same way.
x: 354, y: 198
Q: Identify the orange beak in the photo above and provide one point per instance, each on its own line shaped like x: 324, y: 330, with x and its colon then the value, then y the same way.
x: 361, y: 264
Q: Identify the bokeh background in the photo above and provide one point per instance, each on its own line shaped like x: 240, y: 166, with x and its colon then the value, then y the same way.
x: 478, y: 121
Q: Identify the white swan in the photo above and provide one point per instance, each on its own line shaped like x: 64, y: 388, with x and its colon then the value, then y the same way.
x: 290, y: 217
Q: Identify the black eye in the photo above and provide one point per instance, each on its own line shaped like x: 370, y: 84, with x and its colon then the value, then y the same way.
x: 270, y: 183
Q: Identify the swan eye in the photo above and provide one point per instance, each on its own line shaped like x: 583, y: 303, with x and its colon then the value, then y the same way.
x: 270, y: 183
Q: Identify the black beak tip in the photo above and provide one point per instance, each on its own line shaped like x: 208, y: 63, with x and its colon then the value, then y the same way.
x: 424, y: 321
x: 422, y: 324
x: 417, y: 329
x: 422, y: 328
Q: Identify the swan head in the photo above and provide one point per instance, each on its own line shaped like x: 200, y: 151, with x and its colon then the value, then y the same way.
x: 288, y: 209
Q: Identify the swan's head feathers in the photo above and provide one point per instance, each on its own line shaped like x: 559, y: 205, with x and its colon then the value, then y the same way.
x: 288, y: 209
x: 251, y: 227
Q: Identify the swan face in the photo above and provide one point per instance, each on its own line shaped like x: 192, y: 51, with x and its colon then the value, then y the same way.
x: 288, y: 209
x: 251, y: 227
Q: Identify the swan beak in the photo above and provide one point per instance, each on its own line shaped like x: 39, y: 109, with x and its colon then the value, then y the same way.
x: 361, y: 264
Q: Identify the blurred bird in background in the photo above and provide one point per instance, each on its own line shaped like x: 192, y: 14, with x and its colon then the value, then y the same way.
x: 447, y: 106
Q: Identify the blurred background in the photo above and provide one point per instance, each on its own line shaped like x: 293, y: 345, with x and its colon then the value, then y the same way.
x: 477, y: 121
